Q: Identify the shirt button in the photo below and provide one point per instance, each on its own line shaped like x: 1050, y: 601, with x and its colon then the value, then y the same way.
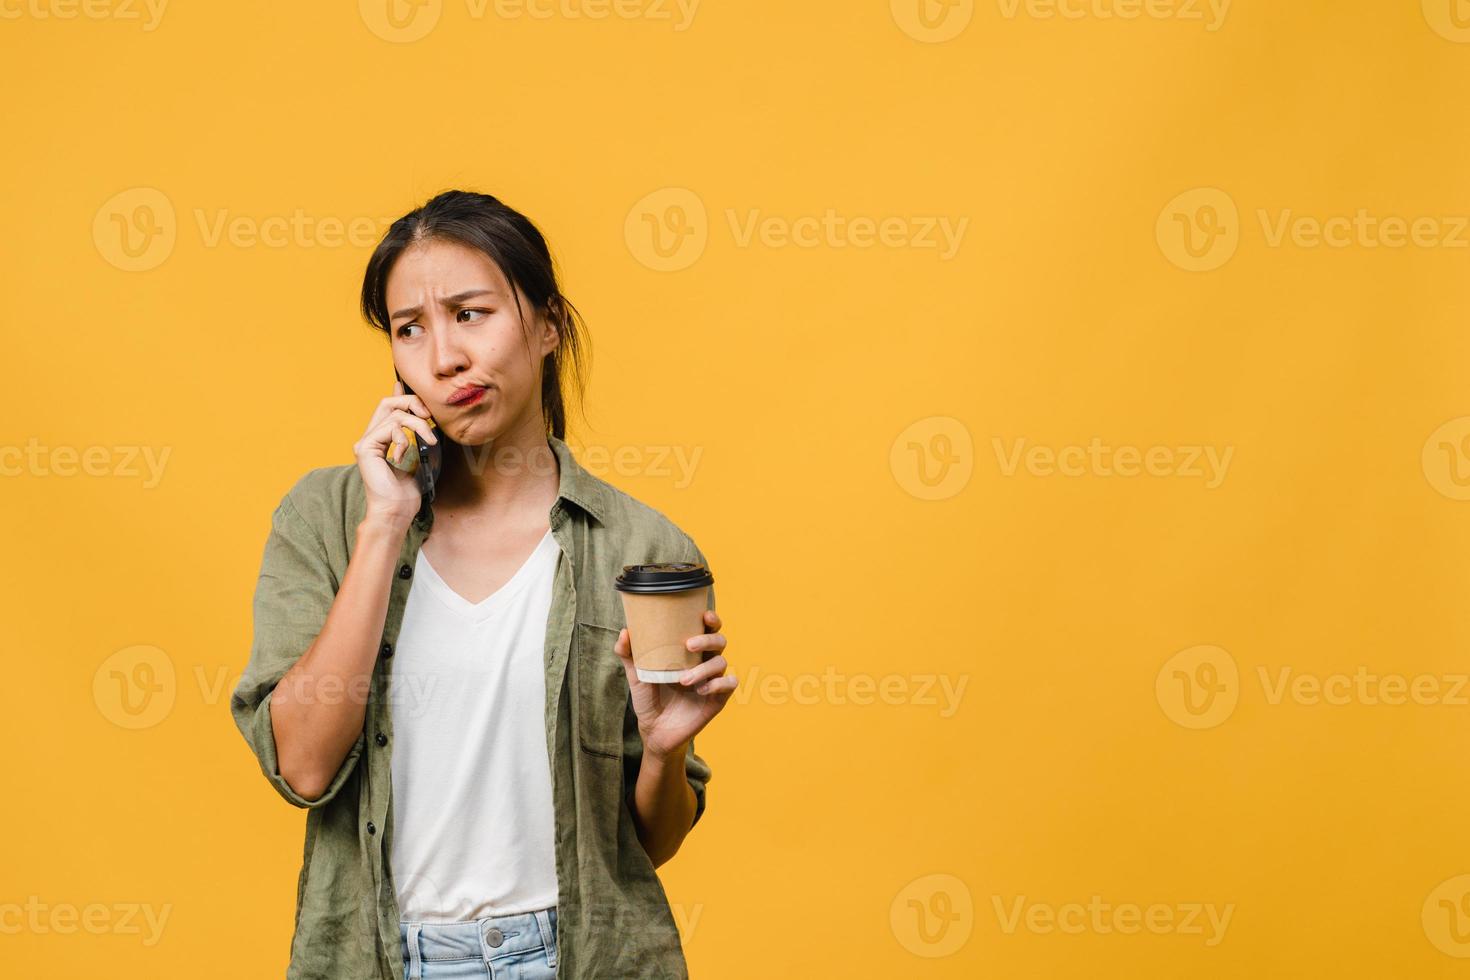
x: 387, y: 650
x: 405, y: 570
x: 371, y: 828
x: 382, y: 739
x: 494, y: 937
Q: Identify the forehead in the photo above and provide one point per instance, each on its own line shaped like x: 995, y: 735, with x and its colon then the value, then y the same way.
x: 444, y: 267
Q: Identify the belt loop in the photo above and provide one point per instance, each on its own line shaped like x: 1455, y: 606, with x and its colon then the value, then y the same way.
x: 415, y: 968
x: 548, y: 936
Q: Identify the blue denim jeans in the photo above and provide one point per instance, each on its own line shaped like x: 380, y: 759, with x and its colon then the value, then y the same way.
x: 493, y: 947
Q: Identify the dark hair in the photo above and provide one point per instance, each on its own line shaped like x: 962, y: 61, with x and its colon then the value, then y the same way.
x: 514, y: 243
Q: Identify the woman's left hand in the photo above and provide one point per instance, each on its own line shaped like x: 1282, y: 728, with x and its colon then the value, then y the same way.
x: 669, y: 715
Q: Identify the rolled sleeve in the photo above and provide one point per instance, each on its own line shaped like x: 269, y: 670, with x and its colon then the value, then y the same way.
x: 293, y: 594
x: 696, y: 770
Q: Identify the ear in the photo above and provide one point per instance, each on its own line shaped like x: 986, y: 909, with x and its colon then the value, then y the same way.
x: 551, y: 324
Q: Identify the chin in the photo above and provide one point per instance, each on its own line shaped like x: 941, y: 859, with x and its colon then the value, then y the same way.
x: 477, y: 435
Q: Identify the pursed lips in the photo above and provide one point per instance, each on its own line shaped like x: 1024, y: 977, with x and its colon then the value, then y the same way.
x: 467, y: 394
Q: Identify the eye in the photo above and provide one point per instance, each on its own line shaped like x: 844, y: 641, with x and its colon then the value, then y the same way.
x: 481, y: 312
x: 406, y: 326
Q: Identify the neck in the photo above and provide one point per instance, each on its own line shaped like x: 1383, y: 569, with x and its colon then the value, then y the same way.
x: 515, y: 472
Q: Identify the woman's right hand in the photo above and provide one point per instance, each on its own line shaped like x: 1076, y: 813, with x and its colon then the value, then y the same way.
x: 392, y: 494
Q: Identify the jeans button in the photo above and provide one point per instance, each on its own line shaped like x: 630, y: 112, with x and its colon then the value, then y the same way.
x: 494, y: 937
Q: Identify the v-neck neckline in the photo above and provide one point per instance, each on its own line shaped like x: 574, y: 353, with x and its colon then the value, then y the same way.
x: 486, y: 606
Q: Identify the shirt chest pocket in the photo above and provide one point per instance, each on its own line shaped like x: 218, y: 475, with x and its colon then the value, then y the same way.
x: 602, y: 695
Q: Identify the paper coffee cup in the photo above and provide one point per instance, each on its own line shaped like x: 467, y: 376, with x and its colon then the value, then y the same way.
x: 664, y: 605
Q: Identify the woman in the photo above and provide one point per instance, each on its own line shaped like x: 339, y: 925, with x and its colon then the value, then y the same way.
x: 489, y: 783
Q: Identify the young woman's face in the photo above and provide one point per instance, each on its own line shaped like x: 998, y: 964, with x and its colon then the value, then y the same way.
x: 454, y: 325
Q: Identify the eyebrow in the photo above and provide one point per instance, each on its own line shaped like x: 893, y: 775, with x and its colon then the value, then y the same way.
x: 448, y: 301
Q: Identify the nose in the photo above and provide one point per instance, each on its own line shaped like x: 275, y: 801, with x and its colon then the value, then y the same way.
x: 448, y: 357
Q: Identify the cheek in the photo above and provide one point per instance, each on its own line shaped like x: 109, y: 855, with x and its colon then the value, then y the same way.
x: 513, y: 363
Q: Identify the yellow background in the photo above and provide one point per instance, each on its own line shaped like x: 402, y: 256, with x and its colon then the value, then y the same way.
x: 826, y: 389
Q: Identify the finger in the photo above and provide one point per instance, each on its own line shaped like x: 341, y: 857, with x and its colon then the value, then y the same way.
x: 387, y: 405
x: 419, y: 425
x: 712, y: 621
x: 621, y: 647
x: 718, y: 686
x: 708, y: 641
x: 386, y: 438
x: 391, y: 443
x: 419, y: 422
x: 713, y: 667
x: 409, y: 403
x: 397, y: 446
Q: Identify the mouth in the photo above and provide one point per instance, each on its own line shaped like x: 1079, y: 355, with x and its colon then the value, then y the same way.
x: 467, y: 395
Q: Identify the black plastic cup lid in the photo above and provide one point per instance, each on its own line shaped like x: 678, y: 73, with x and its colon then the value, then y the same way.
x: 673, y: 576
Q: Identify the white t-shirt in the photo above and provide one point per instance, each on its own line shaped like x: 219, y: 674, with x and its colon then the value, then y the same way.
x: 473, y: 826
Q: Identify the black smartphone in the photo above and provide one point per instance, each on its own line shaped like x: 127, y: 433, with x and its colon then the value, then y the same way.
x: 427, y: 458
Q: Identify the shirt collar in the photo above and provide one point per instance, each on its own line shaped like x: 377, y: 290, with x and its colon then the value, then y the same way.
x: 575, y: 485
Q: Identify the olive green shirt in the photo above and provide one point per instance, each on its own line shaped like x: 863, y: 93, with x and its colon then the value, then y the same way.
x: 613, y: 917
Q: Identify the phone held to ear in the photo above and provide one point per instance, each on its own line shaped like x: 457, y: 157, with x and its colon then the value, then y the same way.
x: 421, y: 458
